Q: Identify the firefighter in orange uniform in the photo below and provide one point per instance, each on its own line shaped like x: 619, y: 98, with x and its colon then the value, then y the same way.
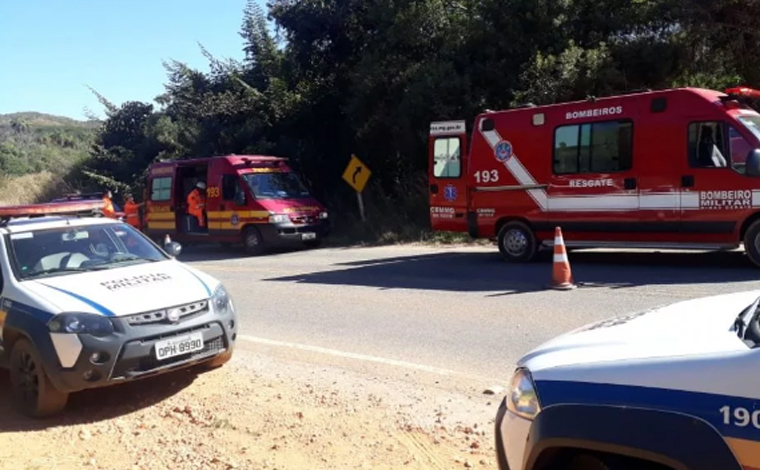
x: 131, y: 209
x: 108, y: 210
x: 196, y: 203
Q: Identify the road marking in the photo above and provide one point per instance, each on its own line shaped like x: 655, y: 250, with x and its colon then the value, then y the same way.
x: 360, y: 357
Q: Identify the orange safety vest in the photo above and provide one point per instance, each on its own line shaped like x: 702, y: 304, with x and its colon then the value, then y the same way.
x: 133, y: 218
x: 108, y: 210
x: 195, y: 205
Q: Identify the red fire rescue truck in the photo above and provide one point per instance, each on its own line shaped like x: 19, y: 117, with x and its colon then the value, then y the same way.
x: 677, y: 168
x: 253, y: 200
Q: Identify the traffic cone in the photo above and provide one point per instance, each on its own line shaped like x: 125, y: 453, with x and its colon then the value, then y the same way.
x: 167, y: 239
x: 562, y: 277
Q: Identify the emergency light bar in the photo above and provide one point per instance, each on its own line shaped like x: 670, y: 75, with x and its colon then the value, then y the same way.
x: 79, y: 208
x: 743, y: 92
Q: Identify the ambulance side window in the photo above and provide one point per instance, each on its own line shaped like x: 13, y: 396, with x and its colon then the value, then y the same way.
x: 446, y: 157
x: 161, y: 189
x: 230, y: 187
x: 599, y: 147
x: 708, y: 147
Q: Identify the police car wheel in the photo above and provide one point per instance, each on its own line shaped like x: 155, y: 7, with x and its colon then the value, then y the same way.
x: 586, y: 462
x: 252, y: 241
x: 32, y: 391
x: 752, y: 242
x: 517, y: 242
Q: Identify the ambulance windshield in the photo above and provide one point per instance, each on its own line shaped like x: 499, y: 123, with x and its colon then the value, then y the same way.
x: 751, y: 122
x: 276, y: 185
x: 66, y: 250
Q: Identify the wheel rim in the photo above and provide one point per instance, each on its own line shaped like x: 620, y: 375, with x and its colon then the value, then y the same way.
x: 251, y: 240
x: 515, y: 242
x: 28, y: 384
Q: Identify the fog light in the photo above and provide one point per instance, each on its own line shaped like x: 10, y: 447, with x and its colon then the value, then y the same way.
x: 91, y: 376
x: 99, y: 357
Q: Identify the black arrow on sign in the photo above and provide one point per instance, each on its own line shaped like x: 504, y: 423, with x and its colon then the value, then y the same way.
x: 356, y: 173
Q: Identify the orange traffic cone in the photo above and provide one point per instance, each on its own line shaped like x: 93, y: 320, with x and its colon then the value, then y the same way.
x: 562, y: 277
x: 167, y: 239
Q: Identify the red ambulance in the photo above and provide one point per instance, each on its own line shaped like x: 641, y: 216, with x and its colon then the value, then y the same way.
x: 676, y: 168
x: 258, y: 201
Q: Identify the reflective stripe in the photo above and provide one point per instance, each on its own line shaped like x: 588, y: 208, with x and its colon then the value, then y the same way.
x: 558, y: 241
x: 560, y: 258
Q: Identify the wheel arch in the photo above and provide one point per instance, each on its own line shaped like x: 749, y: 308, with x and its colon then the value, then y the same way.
x: 512, y: 218
x: 746, y: 224
x: 663, y: 438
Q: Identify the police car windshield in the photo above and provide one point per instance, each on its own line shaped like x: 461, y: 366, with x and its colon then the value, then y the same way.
x: 68, y: 250
x: 276, y: 185
x: 752, y: 123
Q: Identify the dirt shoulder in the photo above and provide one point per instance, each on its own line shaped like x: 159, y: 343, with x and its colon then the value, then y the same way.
x: 258, y: 412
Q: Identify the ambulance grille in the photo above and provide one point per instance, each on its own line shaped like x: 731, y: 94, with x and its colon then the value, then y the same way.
x: 182, y: 312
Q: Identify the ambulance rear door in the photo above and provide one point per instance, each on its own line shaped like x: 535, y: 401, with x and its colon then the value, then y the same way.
x: 447, y: 176
x: 160, y: 207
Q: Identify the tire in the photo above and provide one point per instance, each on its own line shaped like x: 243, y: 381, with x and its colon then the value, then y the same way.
x: 32, y: 392
x: 586, y: 462
x: 253, y: 243
x: 752, y: 242
x: 517, y: 242
x: 219, y: 360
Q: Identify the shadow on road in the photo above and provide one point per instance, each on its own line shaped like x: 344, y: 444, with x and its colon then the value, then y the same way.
x: 96, y: 405
x: 215, y: 252
x: 487, y: 272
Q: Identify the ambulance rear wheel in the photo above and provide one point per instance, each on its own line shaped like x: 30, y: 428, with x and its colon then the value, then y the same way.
x: 517, y: 242
x: 752, y: 242
x: 33, y: 393
x: 252, y: 241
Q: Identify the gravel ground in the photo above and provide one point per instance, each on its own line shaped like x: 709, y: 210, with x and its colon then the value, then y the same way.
x: 258, y: 412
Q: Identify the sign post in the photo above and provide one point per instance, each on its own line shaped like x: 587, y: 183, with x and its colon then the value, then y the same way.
x: 356, y: 175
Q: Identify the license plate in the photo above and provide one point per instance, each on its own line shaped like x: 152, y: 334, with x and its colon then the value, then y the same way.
x: 308, y: 236
x: 178, y: 346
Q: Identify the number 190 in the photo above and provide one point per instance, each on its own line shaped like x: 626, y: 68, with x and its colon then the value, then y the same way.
x: 742, y: 417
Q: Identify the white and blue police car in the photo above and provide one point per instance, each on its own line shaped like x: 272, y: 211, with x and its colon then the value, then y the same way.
x: 671, y: 388
x: 89, y: 302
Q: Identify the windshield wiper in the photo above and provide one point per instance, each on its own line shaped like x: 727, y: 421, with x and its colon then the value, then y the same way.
x: 57, y: 271
x: 745, y: 317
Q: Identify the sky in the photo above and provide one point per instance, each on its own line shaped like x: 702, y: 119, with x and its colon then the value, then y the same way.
x: 51, y: 50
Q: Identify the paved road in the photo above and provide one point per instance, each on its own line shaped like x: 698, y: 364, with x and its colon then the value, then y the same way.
x: 459, y: 309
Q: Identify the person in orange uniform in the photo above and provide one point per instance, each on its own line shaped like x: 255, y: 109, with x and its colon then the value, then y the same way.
x: 196, y: 203
x: 108, y: 210
x: 131, y: 209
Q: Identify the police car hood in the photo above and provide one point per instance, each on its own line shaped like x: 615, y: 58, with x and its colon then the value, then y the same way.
x: 125, y: 290
x: 693, y: 327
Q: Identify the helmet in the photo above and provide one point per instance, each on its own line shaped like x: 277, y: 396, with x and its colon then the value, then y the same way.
x: 201, y: 185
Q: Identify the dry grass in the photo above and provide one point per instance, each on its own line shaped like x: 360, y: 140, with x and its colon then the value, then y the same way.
x: 29, y: 189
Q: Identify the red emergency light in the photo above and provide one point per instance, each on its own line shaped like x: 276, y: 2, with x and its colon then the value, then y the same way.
x: 85, y: 207
x: 743, y: 92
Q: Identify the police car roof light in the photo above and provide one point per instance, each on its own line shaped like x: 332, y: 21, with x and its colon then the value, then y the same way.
x: 85, y: 208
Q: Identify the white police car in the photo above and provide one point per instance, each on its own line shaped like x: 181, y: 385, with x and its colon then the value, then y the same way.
x: 89, y: 302
x: 673, y: 388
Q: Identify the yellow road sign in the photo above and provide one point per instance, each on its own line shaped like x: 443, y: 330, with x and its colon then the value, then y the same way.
x: 357, y: 174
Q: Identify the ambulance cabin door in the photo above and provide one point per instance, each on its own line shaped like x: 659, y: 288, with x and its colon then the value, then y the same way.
x: 161, y: 217
x: 715, y: 193
x: 447, y: 176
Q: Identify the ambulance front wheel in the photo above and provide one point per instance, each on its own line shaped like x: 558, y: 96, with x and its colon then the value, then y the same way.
x: 33, y: 393
x: 517, y: 242
x: 752, y: 242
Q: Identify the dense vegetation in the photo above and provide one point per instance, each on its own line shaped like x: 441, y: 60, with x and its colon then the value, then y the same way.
x: 35, y: 142
x: 354, y: 76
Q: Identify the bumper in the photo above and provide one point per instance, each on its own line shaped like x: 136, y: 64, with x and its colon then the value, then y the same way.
x: 289, y: 233
x: 511, y: 434
x: 130, y: 353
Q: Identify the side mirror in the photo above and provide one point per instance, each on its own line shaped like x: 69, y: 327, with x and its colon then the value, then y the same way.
x: 753, y: 163
x: 240, y: 198
x: 173, y: 249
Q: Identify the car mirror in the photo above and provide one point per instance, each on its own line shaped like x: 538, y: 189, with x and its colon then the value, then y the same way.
x: 240, y: 198
x: 173, y: 249
x: 753, y: 163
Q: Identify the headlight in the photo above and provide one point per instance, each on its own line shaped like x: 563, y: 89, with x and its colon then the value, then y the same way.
x: 221, y: 300
x: 522, y: 399
x: 323, y: 215
x: 81, y: 323
x: 279, y: 218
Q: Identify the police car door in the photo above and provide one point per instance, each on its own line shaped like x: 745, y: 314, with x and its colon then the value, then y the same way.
x: 593, y: 189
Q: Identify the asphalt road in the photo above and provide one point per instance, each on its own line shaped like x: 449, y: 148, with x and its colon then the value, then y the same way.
x: 458, y: 309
